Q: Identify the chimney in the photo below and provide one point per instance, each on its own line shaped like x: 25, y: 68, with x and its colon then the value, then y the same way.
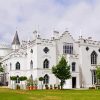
x: 34, y: 35
x: 56, y: 34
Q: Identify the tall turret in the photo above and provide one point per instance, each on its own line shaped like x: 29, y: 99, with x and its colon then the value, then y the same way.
x: 16, y: 42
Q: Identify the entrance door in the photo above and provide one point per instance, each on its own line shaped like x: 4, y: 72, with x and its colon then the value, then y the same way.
x: 73, y: 82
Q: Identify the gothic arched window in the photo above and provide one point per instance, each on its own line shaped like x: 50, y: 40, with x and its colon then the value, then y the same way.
x: 31, y: 51
x: 10, y: 66
x: 94, y: 58
x: 73, y: 66
x: 46, y: 63
x: 31, y: 64
x: 17, y: 66
x: 68, y: 48
x: 46, y: 79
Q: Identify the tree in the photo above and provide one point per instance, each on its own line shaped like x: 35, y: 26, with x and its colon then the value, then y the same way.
x: 2, y: 74
x: 98, y: 73
x: 62, y: 71
x: 13, y: 78
x: 41, y: 79
x: 1, y: 68
x: 22, y: 78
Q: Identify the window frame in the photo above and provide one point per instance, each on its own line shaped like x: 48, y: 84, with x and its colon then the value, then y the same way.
x: 68, y: 48
x: 17, y: 66
x: 93, y: 58
x: 46, y: 64
x: 46, y: 79
x: 31, y: 64
x: 73, y: 66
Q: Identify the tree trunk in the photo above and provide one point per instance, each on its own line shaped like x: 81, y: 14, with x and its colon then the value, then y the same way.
x: 61, y: 84
x: 41, y: 84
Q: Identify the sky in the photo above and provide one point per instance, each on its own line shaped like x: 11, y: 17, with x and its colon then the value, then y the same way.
x: 79, y: 17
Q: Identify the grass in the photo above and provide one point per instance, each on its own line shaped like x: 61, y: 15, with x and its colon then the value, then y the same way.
x: 8, y: 94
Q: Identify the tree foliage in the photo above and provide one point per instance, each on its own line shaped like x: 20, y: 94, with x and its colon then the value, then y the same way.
x: 41, y: 78
x: 1, y: 68
x: 13, y: 78
x: 98, y: 72
x: 62, y: 71
x: 21, y: 78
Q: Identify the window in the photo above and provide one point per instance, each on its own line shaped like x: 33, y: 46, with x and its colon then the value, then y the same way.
x: 46, y: 79
x: 68, y: 48
x: 31, y: 77
x: 10, y: 66
x: 73, y: 66
x: 31, y: 51
x: 94, y: 80
x: 87, y: 48
x: 31, y: 64
x: 94, y: 58
x: 99, y: 49
x: 17, y: 66
x: 46, y: 50
x: 46, y: 63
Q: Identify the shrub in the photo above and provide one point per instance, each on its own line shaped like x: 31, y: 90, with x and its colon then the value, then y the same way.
x: 46, y: 86
x: 51, y: 87
x: 91, y: 87
x: 17, y: 87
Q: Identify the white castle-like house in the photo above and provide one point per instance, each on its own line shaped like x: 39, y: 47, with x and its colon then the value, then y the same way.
x: 37, y: 57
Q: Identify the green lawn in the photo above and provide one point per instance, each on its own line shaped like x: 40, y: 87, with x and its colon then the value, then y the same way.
x: 8, y: 94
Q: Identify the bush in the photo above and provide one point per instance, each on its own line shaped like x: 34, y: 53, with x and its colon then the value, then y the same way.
x: 51, y: 87
x: 91, y: 87
x: 55, y: 87
x: 17, y: 87
x: 46, y: 86
x: 58, y: 86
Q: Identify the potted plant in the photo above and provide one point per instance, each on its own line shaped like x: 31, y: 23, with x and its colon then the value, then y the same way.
x: 35, y: 84
x: 35, y: 87
x: 55, y: 87
x: 31, y: 86
x: 17, y: 87
x: 22, y: 78
x: 46, y: 86
x: 41, y: 80
x: 13, y: 79
x: 51, y: 87
x: 58, y: 86
x: 28, y: 86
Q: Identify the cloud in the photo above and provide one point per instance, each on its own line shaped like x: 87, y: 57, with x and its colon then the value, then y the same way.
x: 78, y: 16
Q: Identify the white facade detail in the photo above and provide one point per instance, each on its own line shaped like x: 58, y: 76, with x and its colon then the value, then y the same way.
x: 32, y: 54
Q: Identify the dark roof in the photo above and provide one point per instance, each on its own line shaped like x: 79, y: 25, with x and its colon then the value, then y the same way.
x: 16, y: 39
